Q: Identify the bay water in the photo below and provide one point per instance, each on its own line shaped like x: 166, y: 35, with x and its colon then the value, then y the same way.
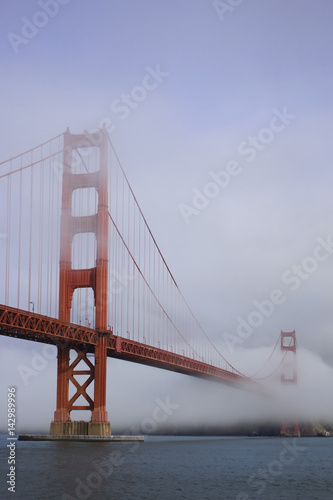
x: 171, y: 467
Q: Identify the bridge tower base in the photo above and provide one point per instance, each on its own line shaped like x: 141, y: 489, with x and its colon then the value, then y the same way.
x: 290, y: 430
x: 80, y: 429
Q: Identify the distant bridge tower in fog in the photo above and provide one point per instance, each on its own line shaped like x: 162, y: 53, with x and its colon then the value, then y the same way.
x: 289, y: 372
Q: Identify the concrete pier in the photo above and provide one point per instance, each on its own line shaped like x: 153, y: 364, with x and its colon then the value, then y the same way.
x: 80, y: 428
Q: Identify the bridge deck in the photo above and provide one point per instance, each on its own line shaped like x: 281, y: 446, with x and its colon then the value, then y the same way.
x: 25, y: 325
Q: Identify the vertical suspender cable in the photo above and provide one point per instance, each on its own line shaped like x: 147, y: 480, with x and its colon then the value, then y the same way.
x: 87, y: 260
x: 20, y: 242
x: 120, y: 268
x: 131, y: 276
x: 7, y: 287
x: 58, y: 201
x: 79, y: 242
x: 126, y: 271
x: 49, y: 226
x: 30, y: 230
x: 139, y: 283
x: 41, y: 213
x: 52, y: 227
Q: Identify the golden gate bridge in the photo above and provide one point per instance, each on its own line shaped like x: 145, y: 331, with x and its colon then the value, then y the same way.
x: 81, y: 269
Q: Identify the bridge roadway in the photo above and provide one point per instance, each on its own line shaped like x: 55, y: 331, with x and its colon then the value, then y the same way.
x: 17, y: 323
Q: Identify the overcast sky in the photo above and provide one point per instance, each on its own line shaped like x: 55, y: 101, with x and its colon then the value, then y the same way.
x: 222, y: 118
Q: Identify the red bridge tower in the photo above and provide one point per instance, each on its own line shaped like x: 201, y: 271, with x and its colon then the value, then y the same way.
x: 95, y: 278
